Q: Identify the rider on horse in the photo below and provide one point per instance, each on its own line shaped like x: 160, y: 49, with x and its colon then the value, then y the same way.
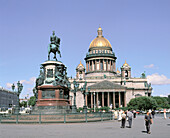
x: 54, y: 46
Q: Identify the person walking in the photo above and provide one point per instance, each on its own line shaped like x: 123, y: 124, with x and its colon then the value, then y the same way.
x: 123, y: 120
x: 129, y: 115
x: 148, y: 122
x: 153, y: 113
x: 120, y: 115
x: 164, y: 113
x: 134, y: 113
x: 115, y: 115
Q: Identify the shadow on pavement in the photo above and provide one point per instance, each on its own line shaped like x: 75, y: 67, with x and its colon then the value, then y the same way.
x: 168, y: 124
x: 144, y: 131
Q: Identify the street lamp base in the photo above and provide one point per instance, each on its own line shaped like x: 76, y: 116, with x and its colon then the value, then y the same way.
x: 85, y: 109
x: 74, y: 109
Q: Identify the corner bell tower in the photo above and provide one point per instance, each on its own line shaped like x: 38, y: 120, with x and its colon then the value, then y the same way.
x: 126, y: 71
x: 80, y: 71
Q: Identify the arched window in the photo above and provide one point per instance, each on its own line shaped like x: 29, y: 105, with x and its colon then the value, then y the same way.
x: 101, y: 64
x: 126, y: 73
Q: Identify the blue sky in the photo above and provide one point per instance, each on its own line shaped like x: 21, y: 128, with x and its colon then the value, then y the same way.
x: 139, y: 32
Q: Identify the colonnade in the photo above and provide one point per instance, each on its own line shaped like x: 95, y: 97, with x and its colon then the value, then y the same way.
x: 100, y: 64
x: 118, y: 99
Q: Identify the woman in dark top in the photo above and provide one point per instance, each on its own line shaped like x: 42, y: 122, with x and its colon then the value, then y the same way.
x: 153, y: 113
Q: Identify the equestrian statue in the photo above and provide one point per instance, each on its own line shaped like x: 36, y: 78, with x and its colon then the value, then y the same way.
x: 54, y: 46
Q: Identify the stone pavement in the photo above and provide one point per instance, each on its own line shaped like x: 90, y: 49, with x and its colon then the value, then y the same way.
x: 108, y: 129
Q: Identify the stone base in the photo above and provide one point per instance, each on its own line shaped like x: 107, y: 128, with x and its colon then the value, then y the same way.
x: 51, y: 110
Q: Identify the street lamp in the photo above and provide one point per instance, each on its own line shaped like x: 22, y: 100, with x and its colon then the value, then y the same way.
x: 76, y: 86
x: 94, y: 101
x: 83, y: 90
x: 71, y: 99
x: 27, y: 99
x: 20, y: 87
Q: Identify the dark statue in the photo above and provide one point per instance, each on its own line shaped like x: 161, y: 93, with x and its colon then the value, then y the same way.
x: 148, y: 85
x: 35, y: 93
x: 61, y: 76
x: 54, y: 46
x: 40, y: 79
x: 60, y: 73
x: 143, y: 75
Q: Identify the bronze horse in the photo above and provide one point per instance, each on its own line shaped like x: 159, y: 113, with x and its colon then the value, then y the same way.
x: 54, y: 46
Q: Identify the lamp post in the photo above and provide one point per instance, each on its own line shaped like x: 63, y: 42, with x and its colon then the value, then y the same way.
x: 71, y: 99
x: 94, y: 101
x: 19, y: 87
x: 27, y: 100
x: 83, y: 90
x: 76, y: 86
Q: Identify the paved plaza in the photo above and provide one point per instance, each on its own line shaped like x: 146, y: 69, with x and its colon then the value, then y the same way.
x: 107, y: 129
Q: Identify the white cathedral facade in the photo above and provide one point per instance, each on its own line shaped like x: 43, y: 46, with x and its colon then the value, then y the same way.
x: 106, y: 86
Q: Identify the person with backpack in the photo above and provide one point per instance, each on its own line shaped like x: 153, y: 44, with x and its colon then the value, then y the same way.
x: 123, y: 119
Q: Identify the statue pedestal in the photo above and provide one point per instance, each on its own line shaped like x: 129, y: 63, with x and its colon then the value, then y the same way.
x: 52, y: 99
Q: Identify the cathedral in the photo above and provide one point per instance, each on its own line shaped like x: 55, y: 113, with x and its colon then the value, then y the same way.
x: 105, y: 85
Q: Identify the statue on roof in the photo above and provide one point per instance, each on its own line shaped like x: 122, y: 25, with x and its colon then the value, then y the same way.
x: 143, y: 75
x: 54, y: 46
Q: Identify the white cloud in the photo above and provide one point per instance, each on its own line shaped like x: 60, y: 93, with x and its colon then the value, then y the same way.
x: 162, y: 95
x: 157, y: 79
x: 31, y: 81
x: 149, y: 66
x: 9, y: 85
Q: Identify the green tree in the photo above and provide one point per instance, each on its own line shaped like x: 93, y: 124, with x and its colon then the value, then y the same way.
x: 32, y: 101
x: 162, y: 102
x: 169, y: 99
x: 142, y: 103
x: 23, y: 104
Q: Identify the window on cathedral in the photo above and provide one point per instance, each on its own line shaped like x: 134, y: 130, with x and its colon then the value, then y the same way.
x: 90, y: 65
x: 126, y: 73
x: 80, y: 75
x: 101, y: 64
x: 111, y: 68
x: 93, y: 67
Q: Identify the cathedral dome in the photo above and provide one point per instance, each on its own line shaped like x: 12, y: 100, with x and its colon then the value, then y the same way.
x: 100, y: 41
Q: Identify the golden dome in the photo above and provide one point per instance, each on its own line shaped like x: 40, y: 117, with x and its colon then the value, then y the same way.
x: 100, y: 41
x: 80, y: 65
x: 118, y: 71
x: 125, y: 64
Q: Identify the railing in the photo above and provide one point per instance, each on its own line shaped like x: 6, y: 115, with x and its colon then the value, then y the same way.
x: 56, y: 118
x: 100, y: 54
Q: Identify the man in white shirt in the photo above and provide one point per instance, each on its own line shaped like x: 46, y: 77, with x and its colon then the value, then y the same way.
x: 130, y: 115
